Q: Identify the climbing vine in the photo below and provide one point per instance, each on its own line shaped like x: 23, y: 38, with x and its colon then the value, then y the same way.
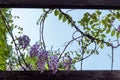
x: 94, y: 29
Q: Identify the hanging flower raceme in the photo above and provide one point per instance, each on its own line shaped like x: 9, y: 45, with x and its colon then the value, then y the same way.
x: 44, y: 54
x: 24, y: 41
x: 42, y: 59
x: 118, y: 29
x: 41, y: 63
x: 67, y: 62
x: 53, y: 64
x: 34, y: 51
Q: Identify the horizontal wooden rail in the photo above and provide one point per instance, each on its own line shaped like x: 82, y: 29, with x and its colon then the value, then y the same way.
x: 60, y: 75
x: 81, y: 4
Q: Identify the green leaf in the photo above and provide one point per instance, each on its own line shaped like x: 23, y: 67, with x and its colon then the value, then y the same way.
x: 101, y: 46
x: 117, y: 15
x: 113, y: 33
x: 86, y: 39
x: 94, y: 16
x: 77, y: 58
x: 88, y: 51
x: 109, y: 20
x: 88, y: 29
x: 56, y: 12
x: 103, y: 22
x: 31, y: 60
x: 117, y: 35
x: 98, y: 12
x: 109, y: 15
x: 79, y: 43
x: 60, y: 16
x: 113, y: 18
x: 10, y: 21
x: 108, y: 31
x: 82, y: 41
x: 69, y: 22
x: 74, y: 60
x: 93, y: 27
x: 93, y: 33
x: 91, y: 22
x: 96, y: 52
x: 107, y: 44
x: 64, y: 19
x: 78, y: 55
x: 103, y: 35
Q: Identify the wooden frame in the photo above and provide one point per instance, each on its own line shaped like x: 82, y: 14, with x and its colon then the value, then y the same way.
x: 83, y: 4
x: 63, y: 75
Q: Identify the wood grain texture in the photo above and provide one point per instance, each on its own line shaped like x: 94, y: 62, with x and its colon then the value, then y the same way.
x: 80, y: 4
x: 60, y: 75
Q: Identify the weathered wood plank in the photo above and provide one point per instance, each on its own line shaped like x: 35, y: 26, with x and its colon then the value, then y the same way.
x: 87, y: 4
x: 63, y: 75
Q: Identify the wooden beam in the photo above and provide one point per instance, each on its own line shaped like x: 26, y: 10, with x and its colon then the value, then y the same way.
x: 60, y: 75
x: 80, y: 4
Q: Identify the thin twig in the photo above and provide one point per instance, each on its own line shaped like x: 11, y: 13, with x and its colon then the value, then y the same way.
x: 67, y: 46
x: 112, y: 58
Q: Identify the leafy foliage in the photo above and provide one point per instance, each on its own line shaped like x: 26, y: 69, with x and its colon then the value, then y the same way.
x: 5, y: 49
x: 95, y: 30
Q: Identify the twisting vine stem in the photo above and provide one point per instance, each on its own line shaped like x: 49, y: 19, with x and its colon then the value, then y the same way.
x: 41, y: 29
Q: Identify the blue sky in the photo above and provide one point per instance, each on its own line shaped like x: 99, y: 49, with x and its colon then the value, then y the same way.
x: 57, y: 33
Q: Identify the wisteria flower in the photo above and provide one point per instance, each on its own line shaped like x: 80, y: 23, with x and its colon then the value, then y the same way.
x: 41, y: 63
x: 53, y: 64
x: 24, y: 41
x: 67, y: 62
x: 34, y: 51
x: 118, y: 29
x: 44, y: 54
x: 42, y: 59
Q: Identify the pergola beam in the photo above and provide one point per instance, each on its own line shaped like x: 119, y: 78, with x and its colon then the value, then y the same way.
x: 60, y: 75
x: 79, y: 4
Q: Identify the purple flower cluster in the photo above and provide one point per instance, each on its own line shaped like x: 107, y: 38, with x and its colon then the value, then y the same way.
x: 118, y: 29
x: 53, y: 64
x: 34, y: 51
x: 42, y: 59
x: 67, y: 62
x: 41, y: 63
x: 42, y: 56
x: 24, y: 41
